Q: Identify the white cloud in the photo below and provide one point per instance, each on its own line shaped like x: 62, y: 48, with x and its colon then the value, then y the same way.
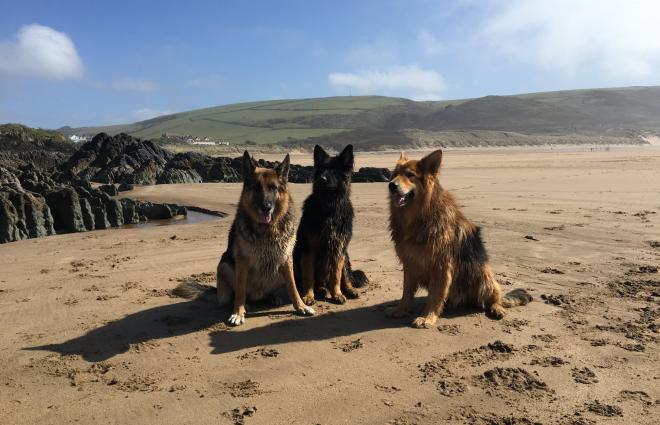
x: 424, y: 97
x: 40, y: 51
x: 430, y: 45
x: 620, y: 39
x: 407, y: 81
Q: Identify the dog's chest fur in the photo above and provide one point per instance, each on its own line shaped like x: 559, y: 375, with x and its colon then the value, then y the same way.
x: 330, y: 220
x: 266, y: 251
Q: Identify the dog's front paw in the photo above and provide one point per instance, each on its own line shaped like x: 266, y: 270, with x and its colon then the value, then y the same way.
x: 309, y: 299
x: 423, y: 322
x: 395, y: 312
x: 305, y: 311
x: 338, y: 299
x: 236, y: 319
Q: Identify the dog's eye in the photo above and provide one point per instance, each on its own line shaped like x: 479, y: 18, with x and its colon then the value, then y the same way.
x: 410, y: 175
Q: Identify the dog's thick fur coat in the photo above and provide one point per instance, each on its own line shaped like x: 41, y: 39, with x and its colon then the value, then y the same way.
x: 258, y: 260
x: 322, y: 266
x: 440, y: 249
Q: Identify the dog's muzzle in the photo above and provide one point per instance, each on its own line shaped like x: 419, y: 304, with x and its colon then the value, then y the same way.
x: 266, y: 212
x: 399, y: 198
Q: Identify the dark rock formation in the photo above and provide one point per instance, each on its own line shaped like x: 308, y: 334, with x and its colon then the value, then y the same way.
x: 124, y: 187
x: 33, y: 205
x: 64, y: 205
x: 116, y: 159
x: 128, y: 161
x: 42, y: 160
x: 371, y: 175
x: 110, y: 189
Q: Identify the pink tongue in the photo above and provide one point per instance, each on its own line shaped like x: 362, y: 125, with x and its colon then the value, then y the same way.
x: 266, y: 217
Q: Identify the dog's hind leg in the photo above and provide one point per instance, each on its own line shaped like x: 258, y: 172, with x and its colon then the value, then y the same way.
x: 438, y: 294
x: 490, y: 294
x: 224, y: 281
x: 357, y: 277
x: 346, y: 282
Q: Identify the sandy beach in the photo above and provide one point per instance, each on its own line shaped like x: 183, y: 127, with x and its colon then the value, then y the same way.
x: 90, y: 333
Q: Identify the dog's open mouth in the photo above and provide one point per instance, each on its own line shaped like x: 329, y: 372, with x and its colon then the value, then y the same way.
x: 402, y: 200
x: 266, y: 217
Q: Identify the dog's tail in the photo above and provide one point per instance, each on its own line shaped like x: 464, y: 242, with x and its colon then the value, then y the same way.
x: 194, y: 290
x: 358, y: 278
x: 516, y: 297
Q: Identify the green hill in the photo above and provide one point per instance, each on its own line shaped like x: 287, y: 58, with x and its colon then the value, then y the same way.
x: 20, y: 138
x: 616, y: 115
x: 259, y: 122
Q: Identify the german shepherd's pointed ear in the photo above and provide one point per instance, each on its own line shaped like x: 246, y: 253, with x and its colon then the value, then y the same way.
x: 346, y: 158
x: 430, y: 164
x: 249, y: 164
x: 402, y: 157
x: 320, y: 155
x: 282, y: 169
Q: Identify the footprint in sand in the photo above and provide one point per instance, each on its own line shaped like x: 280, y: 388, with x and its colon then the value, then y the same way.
x: 584, y: 376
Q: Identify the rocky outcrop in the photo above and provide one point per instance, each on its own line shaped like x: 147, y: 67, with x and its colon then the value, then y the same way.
x: 127, y: 161
x: 33, y: 205
x: 371, y: 175
x: 42, y: 160
x: 64, y: 205
x: 115, y: 159
x: 110, y: 189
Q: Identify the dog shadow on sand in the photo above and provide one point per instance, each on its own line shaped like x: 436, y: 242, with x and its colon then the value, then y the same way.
x: 166, y: 321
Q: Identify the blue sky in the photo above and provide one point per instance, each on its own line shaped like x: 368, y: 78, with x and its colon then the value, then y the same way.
x: 85, y: 63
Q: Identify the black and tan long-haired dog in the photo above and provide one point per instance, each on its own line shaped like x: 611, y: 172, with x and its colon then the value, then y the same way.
x: 322, y: 266
x: 441, y: 250
x: 258, y: 260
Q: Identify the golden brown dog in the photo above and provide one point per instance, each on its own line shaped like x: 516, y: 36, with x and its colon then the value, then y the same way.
x: 441, y: 250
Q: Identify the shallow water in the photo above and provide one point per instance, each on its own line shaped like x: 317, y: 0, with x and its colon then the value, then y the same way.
x: 191, y: 218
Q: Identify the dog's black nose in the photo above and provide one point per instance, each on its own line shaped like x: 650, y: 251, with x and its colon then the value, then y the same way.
x: 393, y: 187
x: 267, y: 206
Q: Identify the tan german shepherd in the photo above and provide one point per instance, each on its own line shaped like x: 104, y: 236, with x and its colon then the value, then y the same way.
x: 441, y: 250
x: 258, y: 260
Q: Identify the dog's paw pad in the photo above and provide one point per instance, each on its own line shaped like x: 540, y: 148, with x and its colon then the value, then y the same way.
x: 305, y: 311
x: 339, y: 299
x: 422, y: 323
x: 236, y: 319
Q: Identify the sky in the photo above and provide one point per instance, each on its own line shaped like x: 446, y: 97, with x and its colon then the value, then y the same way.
x: 97, y: 62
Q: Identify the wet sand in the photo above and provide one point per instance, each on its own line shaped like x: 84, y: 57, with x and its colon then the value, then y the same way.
x: 90, y: 333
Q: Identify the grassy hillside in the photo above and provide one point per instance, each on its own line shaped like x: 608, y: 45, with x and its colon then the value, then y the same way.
x: 577, y: 116
x: 20, y: 138
x: 259, y: 122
